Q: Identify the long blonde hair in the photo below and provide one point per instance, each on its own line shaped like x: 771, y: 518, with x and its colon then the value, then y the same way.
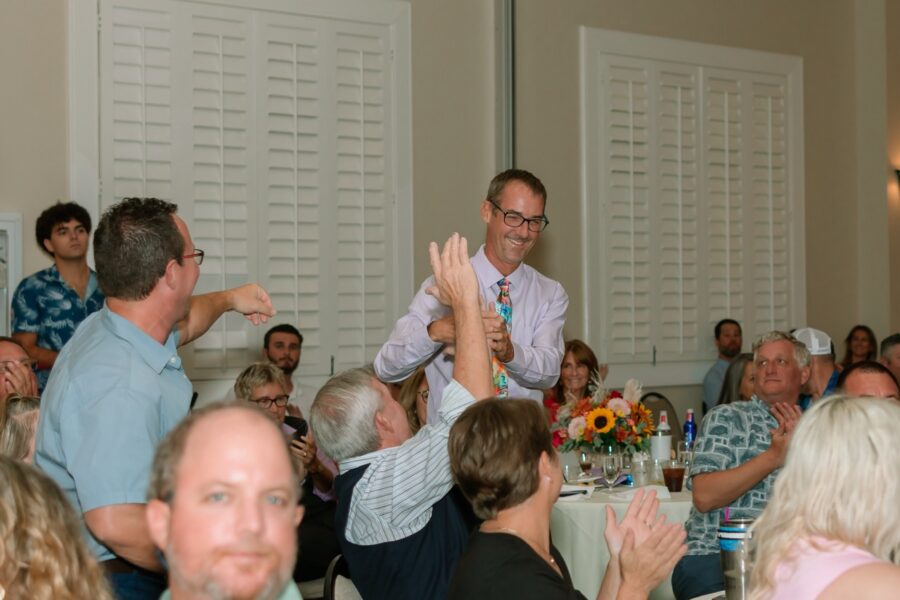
x: 839, y: 482
x: 42, y: 553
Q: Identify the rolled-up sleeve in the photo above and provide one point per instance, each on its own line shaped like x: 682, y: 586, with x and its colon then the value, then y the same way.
x: 410, y: 345
x: 537, y: 365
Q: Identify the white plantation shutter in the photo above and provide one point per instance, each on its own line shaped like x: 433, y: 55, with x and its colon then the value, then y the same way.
x: 627, y: 228
x: 136, y: 99
x: 676, y: 235
x: 221, y: 177
x: 281, y: 137
x: 770, y: 201
x: 692, y: 163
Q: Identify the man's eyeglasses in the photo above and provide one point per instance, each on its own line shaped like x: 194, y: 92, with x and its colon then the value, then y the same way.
x: 197, y: 255
x: 514, y: 219
x: 266, y: 402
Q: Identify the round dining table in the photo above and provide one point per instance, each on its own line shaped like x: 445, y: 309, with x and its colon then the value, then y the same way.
x: 577, y: 524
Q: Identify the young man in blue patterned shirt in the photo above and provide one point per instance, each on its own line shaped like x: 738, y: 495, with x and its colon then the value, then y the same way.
x: 48, y: 306
x: 737, y: 456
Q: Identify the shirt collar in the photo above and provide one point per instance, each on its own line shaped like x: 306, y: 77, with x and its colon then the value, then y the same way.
x: 52, y: 273
x: 348, y: 464
x: 156, y: 355
x: 488, y: 272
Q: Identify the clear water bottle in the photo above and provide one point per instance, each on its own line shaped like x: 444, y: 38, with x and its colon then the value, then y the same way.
x: 690, y: 429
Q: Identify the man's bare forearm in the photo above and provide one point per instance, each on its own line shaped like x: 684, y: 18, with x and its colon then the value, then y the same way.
x: 123, y: 529
x: 44, y: 356
x: 720, y: 488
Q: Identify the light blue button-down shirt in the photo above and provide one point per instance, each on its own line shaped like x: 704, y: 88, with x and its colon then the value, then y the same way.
x: 113, y: 394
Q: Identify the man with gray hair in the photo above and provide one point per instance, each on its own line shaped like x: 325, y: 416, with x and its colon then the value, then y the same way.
x: 739, y: 451
x: 399, y: 529
x: 890, y: 354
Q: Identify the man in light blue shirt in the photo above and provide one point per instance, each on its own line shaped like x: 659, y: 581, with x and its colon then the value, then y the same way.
x: 118, y: 386
x: 729, y: 340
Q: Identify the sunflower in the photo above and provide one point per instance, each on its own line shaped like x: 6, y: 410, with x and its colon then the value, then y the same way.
x: 601, y: 420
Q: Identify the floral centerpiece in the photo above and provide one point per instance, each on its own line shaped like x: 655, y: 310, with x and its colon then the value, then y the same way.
x: 604, y: 419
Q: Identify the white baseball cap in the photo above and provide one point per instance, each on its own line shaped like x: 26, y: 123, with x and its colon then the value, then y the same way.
x: 816, y: 341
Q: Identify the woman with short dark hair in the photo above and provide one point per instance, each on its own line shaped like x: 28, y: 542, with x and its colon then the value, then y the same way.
x: 503, y: 460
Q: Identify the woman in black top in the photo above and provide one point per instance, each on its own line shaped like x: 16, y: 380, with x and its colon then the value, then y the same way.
x: 504, y: 462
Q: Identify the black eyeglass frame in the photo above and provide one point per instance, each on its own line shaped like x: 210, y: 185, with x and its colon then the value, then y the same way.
x: 513, y: 219
x: 266, y: 402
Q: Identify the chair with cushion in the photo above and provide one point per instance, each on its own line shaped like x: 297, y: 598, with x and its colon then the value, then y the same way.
x: 656, y: 402
x: 338, y: 585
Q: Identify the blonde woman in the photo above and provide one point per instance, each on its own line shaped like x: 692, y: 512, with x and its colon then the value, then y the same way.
x: 832, y: 529
x: 42, y: 554
x: 18, y: 424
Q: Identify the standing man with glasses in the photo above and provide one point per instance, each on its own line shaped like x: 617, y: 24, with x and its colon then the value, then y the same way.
x: 525, y: 311
x: 118, y: 386
x: 49, y: 305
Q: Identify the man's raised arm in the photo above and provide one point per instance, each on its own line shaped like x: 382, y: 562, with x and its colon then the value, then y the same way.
x: 457, y: 286
x: 250, y: 300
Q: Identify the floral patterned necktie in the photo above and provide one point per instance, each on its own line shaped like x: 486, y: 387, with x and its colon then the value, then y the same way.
x: 503, y: 306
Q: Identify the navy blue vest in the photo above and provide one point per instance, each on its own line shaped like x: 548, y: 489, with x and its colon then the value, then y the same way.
x: 417, y: 567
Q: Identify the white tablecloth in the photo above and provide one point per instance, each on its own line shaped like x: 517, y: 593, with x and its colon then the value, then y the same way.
x: 577, y: 529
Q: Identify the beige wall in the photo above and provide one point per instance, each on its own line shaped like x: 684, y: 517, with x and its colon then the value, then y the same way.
x: 893, y: 151
x: 33, y: 126
x: 454, y: 121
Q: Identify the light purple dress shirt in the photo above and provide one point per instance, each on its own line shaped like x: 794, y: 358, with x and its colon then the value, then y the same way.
x: 538, y: 314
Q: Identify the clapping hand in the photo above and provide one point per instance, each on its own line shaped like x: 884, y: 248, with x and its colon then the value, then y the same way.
x: 454, y: 277
x: 787, y: 416
x: 640, y: 518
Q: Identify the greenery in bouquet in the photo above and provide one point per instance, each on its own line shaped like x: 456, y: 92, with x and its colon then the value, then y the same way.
x: 604, y: 418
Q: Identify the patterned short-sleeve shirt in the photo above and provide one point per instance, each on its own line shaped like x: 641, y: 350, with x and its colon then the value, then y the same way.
x: 46, y: 305
x: 730, y: 435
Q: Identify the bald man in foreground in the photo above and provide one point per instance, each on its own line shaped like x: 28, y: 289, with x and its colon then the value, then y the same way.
x: 223, y: 506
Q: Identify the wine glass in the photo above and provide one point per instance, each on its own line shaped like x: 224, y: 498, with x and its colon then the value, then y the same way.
x: 585, y: 461
x: 611, y: 465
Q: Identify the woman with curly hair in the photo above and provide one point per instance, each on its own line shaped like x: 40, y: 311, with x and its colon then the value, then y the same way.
x: 831, y: 528
x: 42, y: 553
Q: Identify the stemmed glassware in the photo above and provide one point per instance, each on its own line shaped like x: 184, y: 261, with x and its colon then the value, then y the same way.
x: 585, y: 462
x: 611, y: 465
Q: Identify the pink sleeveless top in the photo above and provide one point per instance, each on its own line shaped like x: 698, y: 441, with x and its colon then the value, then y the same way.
x: 813, y: 570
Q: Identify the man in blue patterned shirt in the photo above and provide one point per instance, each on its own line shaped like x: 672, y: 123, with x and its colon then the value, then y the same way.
x: 738, y: 453
x: 48, y: 305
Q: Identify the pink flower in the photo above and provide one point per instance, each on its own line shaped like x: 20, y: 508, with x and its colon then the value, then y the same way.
x: 576, y: 427
x: 619, y: 406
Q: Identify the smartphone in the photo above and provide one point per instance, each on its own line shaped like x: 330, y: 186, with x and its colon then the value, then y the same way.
x: 301, y: 427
